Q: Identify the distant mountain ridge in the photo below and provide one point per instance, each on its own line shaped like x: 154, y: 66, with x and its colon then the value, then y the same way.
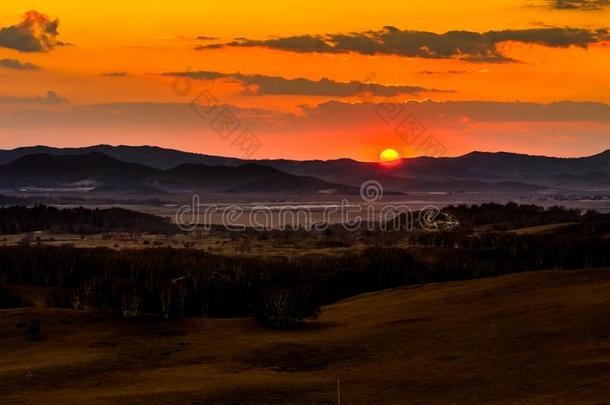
x: 99, y: 173
x: 476, y: 171
x: 145, y: 155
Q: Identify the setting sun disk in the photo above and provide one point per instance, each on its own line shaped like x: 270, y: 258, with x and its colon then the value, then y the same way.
x: 389, y: 155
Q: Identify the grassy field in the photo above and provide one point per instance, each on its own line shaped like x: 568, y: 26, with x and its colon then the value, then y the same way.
x: 224, y: 244
x: 536, y: 337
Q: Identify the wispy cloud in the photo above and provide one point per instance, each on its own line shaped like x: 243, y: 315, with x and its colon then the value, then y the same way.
x: 439, y: 72
x: 52, y: 98
x: 480, y: 111
x: 333, y: 114
x: 275, y: 85
x: 583, y: 5
x: 465, y: 45
x: 17, y: 65
x: 115, y: 74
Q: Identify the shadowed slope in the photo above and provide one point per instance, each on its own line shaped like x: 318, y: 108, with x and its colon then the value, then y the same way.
x: 539, y: 336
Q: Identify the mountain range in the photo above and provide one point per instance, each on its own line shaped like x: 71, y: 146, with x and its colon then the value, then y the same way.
x: 98, y: 173
x: 153, y: 170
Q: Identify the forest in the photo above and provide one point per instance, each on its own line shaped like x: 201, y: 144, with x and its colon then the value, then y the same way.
x: 20, y: 219
x: 513, y: 215
x: 182, y: 282
x: 283, y: 291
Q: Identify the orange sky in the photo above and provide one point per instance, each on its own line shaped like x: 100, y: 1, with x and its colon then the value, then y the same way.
x: 146, y: 42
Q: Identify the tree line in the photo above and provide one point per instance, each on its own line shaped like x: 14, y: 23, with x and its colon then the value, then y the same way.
x: 512, y: 215
x: 280, y: 291
x: 20, y: 219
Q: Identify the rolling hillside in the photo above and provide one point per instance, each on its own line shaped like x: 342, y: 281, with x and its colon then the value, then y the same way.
x: 539, y: 337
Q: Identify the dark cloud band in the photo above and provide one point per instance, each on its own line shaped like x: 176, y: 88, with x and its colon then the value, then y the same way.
x: 583, y: 5
x: 274, y: 85
x: 115, y: 74
x: 51, y: 98
x: 17, y: 65
x: 465, y: 45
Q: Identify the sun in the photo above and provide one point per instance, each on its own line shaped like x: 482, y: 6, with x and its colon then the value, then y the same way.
x: 389, y: 155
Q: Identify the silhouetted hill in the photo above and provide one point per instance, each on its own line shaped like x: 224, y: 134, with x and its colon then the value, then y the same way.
x: 99, y: 174
x: 476, y: 171
x: 249, y: 178
x: 153, y: 156
x: 90, y: 169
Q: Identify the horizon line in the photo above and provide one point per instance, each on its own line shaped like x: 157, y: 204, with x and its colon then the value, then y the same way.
x: 303, y: 160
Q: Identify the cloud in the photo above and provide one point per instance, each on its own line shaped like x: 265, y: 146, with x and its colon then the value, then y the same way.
x: 452, y: 113
x: 438, y: 72
x: 274, y: 85
x: 36, y: 33
x: 583, y: 5
x: 333, y: 115
x: 17, y: 65
x: 461, y: 125
x: 206, y: 38
x: 522, y: 111
x: 115, y: 74
x: 52, y: 98
x: 170, y: 116
x: 465, y: 45
x: 488, y: 59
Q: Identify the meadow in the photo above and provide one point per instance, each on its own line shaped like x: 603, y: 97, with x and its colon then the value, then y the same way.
x: 535, y: 337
